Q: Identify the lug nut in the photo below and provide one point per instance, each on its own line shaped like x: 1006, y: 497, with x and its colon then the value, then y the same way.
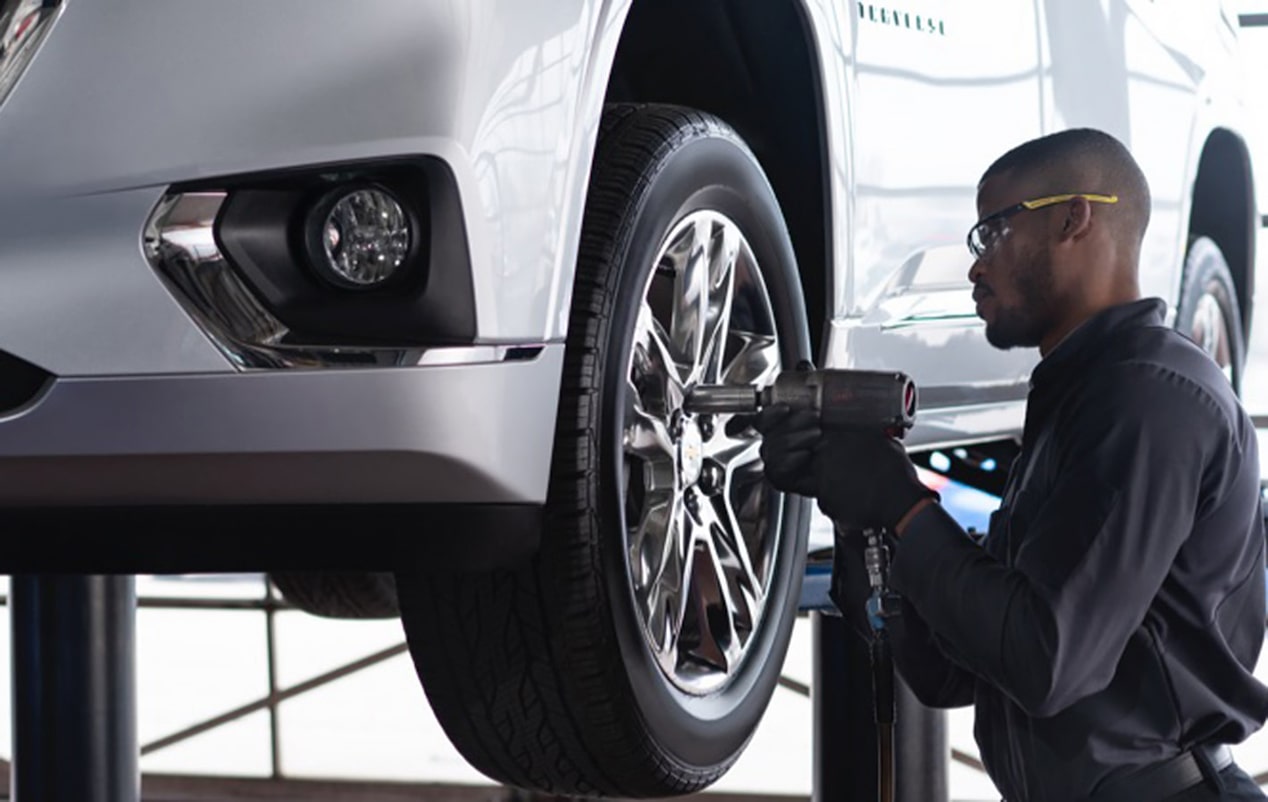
x: 705, y: 423
x: 711, y: 478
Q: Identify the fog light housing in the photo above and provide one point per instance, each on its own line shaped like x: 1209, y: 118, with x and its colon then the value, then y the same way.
x: 361, y: 237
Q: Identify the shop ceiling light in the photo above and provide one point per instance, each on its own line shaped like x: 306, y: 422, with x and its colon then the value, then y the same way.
x: 360, y: 238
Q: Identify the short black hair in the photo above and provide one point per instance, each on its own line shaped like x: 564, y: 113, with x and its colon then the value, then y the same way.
x: 1082, y: 160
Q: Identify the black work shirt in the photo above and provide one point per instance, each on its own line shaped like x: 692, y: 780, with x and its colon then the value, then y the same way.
x: 1114, y: 614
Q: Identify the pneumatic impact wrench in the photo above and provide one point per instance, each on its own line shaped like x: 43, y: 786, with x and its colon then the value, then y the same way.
x: 844, y: 400
x: 867, y: 400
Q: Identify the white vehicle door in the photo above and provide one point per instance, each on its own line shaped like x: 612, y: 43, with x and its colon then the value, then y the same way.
x: 941, y: 90
x: 1252, y: 17
x: 1134, y: 68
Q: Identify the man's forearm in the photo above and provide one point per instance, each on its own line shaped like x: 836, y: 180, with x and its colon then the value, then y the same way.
x: 940, y: 572
x: 935, y: 679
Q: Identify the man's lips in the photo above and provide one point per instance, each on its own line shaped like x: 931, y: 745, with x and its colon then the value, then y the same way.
x: 981, y: 293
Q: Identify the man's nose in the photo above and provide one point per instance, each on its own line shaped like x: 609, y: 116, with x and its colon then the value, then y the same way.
x: 975, y: 270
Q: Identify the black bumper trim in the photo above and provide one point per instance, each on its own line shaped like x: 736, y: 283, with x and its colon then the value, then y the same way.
x: 231, y: 539
x: 20, y: 382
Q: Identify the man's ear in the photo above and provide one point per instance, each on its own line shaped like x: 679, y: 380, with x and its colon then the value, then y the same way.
x: 1076, y: 223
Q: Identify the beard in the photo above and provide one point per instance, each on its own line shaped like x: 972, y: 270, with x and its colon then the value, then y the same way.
x: 1024, y: 324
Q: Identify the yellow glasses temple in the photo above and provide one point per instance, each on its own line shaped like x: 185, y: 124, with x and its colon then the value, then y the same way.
x: 1051, y: 199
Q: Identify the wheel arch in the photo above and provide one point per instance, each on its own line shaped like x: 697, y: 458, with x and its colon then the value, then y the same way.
x: 1225, y: 210
x: 717, y: 57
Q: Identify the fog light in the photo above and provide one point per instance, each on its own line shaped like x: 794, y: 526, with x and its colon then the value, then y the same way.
x: 363, y: 237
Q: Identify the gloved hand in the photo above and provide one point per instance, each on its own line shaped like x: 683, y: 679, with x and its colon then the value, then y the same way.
x: 790, y: 439
x: 849, y: 588
x: 866, y: 480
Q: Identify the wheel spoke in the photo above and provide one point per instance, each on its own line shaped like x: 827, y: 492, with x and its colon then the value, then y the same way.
x: 756, y: 362
x: 733, y: 545
x: 733, y: 450
x: 690, y: 256
x: 655, y: 559
x: 679, y: 585
x: 648, y: 536
x: 747, y: 588
x: 646, y: 435
x: 714, y: 639
x: 653, y: 368
x: 723, y: 250
x: 704, y: 261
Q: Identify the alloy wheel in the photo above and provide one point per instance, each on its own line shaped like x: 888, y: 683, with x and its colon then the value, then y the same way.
x: 701, y: 523
x: 1210, y: 332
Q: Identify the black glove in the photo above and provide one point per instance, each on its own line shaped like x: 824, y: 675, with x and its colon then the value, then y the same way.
x: 850, y: 588
x: 790, y: 439
x: 866, y: 480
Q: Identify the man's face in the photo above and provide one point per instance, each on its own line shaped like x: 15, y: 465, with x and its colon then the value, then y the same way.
x: 1013, y: 278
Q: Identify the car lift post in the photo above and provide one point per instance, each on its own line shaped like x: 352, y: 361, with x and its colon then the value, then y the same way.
x: 845, y: 760
x: 74, y: 689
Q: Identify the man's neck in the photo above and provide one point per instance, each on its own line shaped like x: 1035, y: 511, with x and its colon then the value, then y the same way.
x: 1057, y: 334
x: 1072, y: 324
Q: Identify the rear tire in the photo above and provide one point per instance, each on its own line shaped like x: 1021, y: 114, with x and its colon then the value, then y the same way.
x: 355, y: 594
x: 581, y: 673
x: 1208, y: 312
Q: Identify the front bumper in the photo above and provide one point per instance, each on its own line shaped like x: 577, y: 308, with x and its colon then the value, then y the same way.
x: 475, y: 432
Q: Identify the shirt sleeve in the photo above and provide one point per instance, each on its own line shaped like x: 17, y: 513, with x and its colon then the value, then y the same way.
x: 935, y: 679
x: 1049, y: 630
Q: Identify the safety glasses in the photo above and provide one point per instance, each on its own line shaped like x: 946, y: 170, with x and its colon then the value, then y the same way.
x: 988, y: 231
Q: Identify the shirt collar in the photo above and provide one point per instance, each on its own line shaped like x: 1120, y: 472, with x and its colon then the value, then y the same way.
x: 1083, y: 344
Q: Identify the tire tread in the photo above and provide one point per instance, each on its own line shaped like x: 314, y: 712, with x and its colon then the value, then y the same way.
x: 554, y: 663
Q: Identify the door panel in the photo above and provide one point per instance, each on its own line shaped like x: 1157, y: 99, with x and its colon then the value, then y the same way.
x: 1133, y: 68
x: 941, y: 91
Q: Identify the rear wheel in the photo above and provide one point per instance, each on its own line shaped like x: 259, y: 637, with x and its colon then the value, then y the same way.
x: 636, y: 654
x: 354, y: 594
x: 1208, y: 311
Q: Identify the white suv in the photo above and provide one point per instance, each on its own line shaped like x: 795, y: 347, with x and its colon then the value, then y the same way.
x: 401, y: 301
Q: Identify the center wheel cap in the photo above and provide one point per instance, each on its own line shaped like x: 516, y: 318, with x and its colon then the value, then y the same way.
x: 690, y: 454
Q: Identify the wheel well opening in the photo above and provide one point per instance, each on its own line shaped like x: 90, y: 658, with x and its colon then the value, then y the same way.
x: 752, y: 65
x: 1224, y: 210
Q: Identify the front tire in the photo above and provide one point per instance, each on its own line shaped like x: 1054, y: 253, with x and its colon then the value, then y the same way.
x: 637, y: 653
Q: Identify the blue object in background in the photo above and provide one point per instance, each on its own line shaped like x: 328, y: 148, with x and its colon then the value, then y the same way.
x: 970, y: 507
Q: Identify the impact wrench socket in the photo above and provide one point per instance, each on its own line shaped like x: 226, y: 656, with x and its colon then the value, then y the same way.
x: 866, y: 400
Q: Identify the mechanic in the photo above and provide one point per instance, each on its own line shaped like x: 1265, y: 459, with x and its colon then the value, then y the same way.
x: 1107, y: 628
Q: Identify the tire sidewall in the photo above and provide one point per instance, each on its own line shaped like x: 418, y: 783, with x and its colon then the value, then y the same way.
x: 716, y: 173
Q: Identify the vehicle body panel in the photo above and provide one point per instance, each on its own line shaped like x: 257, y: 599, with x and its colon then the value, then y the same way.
x: 124, y: 103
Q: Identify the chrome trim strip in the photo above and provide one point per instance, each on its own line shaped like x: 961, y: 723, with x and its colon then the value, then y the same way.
x: 180, y: 244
